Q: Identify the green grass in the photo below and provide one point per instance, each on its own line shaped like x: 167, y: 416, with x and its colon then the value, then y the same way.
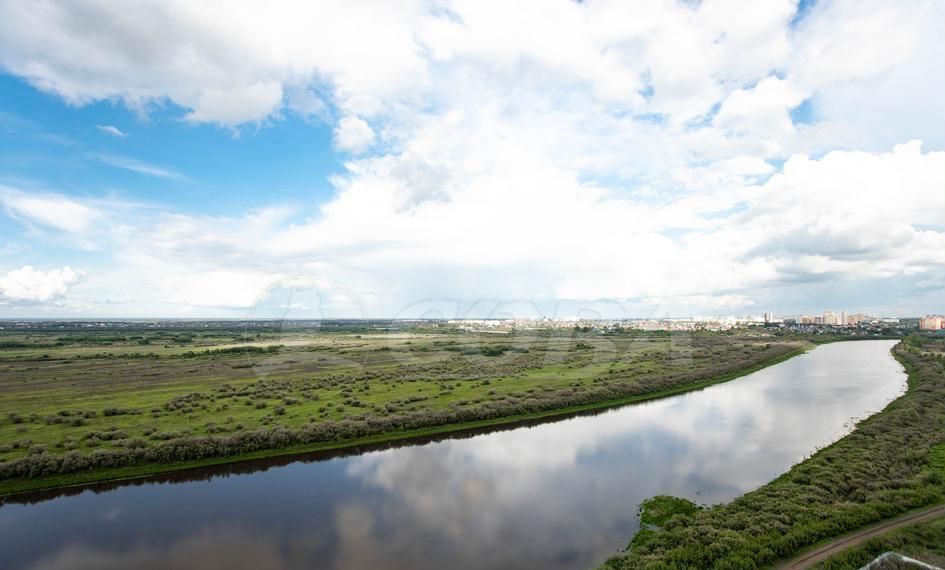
x: 887, y: 466
x: 937, y: 457
x: 54, y: 404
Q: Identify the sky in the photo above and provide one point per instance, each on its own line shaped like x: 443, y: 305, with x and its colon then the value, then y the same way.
x: 402, y: 159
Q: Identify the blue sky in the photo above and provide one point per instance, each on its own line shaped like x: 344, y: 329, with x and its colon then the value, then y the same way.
x: 619, y: 158
x: 208, y: 169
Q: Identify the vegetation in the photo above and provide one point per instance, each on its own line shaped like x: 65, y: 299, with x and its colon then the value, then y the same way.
x: 659, y: 509
x: 891, y: 463
x: 924, y: 541
x: 85, y: 403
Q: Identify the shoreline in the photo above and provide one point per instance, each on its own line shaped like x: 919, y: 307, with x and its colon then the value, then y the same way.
x: 24, y: 487
x: 875, y: 512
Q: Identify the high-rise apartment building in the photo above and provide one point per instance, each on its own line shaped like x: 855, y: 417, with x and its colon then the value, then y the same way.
x: 932, y: 323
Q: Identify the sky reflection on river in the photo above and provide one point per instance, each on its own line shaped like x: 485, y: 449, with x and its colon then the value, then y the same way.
x: 558, y: 495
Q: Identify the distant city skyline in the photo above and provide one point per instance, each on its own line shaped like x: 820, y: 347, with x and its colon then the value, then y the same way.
x: 192, y: 160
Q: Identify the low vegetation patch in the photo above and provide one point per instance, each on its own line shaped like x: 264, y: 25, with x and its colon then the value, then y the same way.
x: 659, y: 509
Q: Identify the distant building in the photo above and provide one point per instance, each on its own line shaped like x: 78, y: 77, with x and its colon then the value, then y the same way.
x: 932, y: 323
x: 857, y: 318
x: 832, y: 318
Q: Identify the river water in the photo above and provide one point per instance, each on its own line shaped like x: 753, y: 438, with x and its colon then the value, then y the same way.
x: 562, y: 494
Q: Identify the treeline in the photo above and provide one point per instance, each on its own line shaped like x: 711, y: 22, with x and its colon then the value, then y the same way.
x: 488, y: 350
x: 234, y: 350
x: 886, y: 466
x: 354, y: 427
x: 10, y: 344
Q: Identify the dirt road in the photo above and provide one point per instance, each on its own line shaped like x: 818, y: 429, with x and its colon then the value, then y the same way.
x: 824, y: 551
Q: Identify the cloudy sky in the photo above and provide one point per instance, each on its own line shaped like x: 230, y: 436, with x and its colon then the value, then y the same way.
x: 403, y: 158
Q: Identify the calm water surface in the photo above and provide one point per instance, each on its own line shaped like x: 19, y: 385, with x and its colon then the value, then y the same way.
x: 556, y: 495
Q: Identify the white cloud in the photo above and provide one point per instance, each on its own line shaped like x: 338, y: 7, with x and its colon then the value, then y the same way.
x: 353, y: 134
x: 762, y: 110
x: 223, y: 65
x: 229, y: 289
x: 239, y: 104
x: 556, y: 150
x: 54, y: 211
x: 854, y: 39
x: 845, y: 216
x: 112, y: 130
x: 28, y: 285
x: 140, y: 166
x: 853, y: 213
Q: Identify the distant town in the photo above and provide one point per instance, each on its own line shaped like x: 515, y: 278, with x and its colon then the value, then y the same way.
x: 834, y: 322
x: 830, y: 321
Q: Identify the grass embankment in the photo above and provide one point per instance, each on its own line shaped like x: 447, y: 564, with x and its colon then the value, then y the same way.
x: 924, y: 541
x: 69, y: 420
x: 890, y: 464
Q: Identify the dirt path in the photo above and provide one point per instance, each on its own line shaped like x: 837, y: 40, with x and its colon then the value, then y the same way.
x: 825, y: 551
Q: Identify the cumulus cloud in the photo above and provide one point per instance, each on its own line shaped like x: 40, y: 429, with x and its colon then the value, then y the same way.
x: 854, y: 213
x: 353, y: 135
x: 544, y: 150
x: 223, y: 65
x: 28, y: 285
x: 845, y: 216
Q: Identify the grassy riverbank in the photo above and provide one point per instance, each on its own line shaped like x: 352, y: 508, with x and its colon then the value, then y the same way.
x: 888, y: 465
x: 74, y: 413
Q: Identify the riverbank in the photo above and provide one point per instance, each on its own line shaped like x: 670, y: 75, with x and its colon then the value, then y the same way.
x: 886, y: 466
x: 24, y: 485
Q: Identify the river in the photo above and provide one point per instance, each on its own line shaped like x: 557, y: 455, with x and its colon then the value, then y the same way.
x: 559, y: 495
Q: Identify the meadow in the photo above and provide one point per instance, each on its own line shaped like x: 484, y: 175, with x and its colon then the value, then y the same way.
x: 79, y: 405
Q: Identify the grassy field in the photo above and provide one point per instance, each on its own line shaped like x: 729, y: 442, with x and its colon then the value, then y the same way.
x: 74, y: 404
x: 891, y: 463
